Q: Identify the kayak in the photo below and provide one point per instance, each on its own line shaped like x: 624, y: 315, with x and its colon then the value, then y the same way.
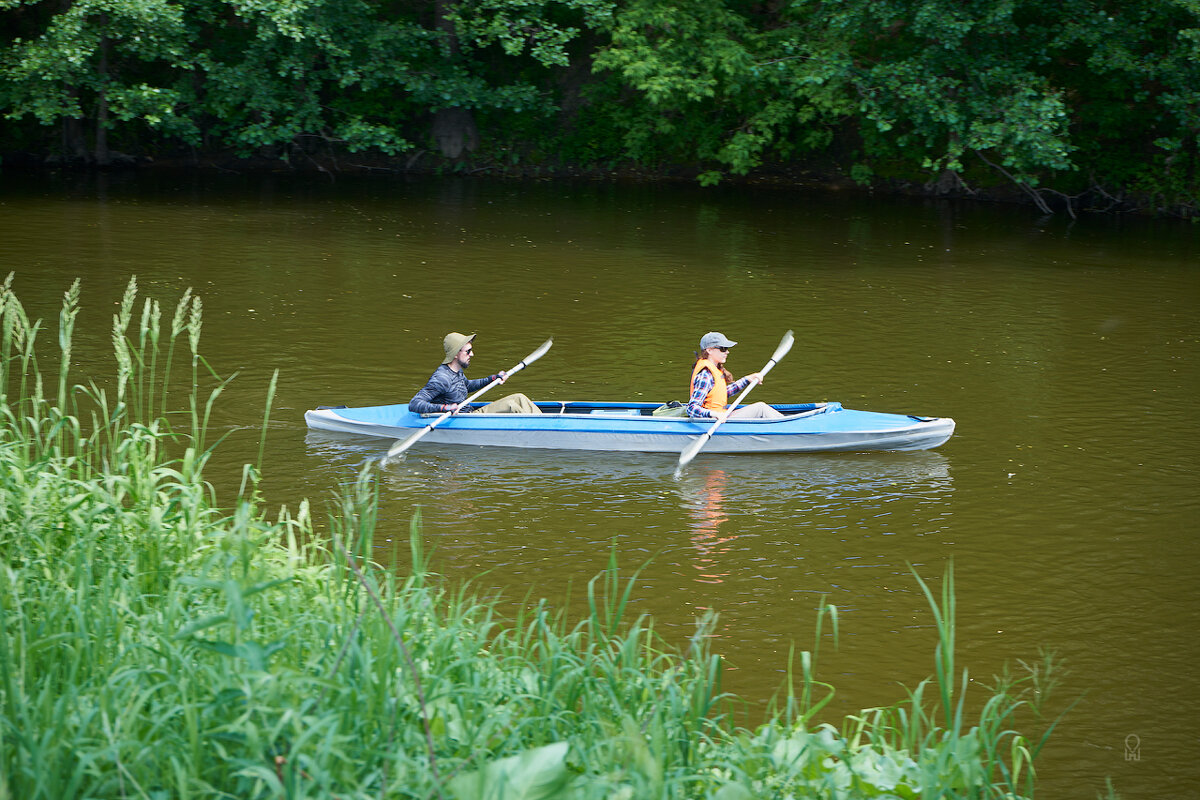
x: 647, y: 428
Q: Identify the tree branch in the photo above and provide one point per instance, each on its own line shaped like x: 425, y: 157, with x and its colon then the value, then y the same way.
x: 1033, y: 195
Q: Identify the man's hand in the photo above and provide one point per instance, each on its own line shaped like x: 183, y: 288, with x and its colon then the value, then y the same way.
x: 450, y: 407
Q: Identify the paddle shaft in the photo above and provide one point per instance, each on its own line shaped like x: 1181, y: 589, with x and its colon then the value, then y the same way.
x: 690, y: 452
x: 400, y: 446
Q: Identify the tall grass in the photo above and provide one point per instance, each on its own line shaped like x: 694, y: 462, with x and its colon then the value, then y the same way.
x: 156, y: 645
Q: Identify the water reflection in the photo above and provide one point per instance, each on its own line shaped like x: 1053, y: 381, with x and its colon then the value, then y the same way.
x: 703, y: 498
x: 757, y: 480
x: 722, y: 508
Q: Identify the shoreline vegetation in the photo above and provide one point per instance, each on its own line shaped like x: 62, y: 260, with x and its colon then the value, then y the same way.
x: 1070, y: 107
x: 155, y: 644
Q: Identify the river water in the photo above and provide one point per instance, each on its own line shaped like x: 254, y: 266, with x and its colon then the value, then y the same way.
x: 1067, y: 351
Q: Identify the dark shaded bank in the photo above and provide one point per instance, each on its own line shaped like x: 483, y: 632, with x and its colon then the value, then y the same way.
x: 816, y: 177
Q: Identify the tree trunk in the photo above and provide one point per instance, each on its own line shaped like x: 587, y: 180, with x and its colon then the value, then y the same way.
x: 74, y: 146
x: 454, y: 131
x: 453, y: 128
x: 103, y: 157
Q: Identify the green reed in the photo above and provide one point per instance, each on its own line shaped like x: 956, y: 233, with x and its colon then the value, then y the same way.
x: 154, y: 644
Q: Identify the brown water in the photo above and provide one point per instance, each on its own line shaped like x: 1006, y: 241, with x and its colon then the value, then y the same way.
x: 1068, y: 352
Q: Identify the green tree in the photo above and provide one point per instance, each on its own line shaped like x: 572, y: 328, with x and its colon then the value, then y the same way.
x: 939, y: 80
x: 271, y: 76
x: 727, y: 84
x: 1039, y: 93
x: 1133, y: 72
x: 1082, y: 101
x: 277, y: 76
x: 102, y: 60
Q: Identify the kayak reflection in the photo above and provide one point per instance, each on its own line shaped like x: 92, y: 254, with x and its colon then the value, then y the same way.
x: 757, y: 477
x: 613, y: 492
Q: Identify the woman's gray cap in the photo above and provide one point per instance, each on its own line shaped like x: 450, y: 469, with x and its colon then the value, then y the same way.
x: 714, y: 339
x: 453, y: 343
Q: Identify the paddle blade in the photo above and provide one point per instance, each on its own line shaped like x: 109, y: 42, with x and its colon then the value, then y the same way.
x: 401, y: 445
x: 692, y: 449
x: 785, y: 344
x: 534, y: 356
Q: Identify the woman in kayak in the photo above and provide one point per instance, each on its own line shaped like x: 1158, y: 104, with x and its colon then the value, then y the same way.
x: 713, y: 385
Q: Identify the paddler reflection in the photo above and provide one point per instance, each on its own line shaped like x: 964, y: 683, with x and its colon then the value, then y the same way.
x: 704, y: 499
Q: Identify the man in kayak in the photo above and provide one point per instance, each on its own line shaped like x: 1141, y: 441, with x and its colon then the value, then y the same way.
x: 448, y: 386
x: 713, y: 385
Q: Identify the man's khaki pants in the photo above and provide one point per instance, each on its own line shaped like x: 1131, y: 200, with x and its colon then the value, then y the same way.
x: 512, y: 404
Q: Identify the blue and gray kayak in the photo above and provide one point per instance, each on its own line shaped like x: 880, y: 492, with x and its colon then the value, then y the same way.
x: 647, y: 428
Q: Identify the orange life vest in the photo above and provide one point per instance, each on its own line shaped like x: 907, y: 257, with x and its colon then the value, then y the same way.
x: 719, y: 396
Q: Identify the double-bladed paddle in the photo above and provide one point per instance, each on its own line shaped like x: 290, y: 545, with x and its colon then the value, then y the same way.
x: 403, y: 444
x: 692, y: 449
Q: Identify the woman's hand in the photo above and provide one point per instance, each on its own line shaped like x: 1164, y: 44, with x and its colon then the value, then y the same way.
x: 757, y: 376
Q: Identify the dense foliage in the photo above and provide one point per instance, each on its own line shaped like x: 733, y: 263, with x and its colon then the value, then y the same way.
x: 154, y: 645
x: 1091, y: 100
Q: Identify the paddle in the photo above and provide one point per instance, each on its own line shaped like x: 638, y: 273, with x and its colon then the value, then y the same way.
x: 692, y: 449
x: 401, y: 445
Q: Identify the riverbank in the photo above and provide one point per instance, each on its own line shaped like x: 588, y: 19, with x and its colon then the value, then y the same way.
x: 817, y: 177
